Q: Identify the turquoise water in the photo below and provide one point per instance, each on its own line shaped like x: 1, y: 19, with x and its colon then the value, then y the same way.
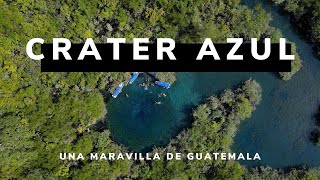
x: 278, y: 130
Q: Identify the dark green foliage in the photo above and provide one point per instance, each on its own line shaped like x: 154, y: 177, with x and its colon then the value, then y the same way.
x: 168, y: 77
x: 210, y: 132
x: 44, y: 114
x: 307, y: 16
x: 243, y: 108
x: 295, y: 65
x: 269, y: 173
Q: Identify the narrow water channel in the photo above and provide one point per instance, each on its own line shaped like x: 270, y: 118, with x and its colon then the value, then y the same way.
x: 278, y: 130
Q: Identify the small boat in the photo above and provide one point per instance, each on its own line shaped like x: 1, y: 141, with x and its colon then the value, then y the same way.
x: 163, y: 84
x: 133, y: 77
x: 118, y: 90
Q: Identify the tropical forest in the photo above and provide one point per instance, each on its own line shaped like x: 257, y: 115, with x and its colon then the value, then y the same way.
x: 43, y: 114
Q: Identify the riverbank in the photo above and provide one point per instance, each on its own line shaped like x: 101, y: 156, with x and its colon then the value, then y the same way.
x: 214, y: 125
x: 44, y: 114
x: 305, y: 14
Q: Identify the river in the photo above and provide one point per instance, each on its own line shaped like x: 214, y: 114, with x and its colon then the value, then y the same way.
x: 278, y: 130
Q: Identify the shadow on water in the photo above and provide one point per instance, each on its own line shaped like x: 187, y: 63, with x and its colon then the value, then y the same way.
x: 317, y: 117
x: 173, y: 131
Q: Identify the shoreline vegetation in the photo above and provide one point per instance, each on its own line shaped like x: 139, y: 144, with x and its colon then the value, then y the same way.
x: 306, y: 15
x: 44, y: 114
